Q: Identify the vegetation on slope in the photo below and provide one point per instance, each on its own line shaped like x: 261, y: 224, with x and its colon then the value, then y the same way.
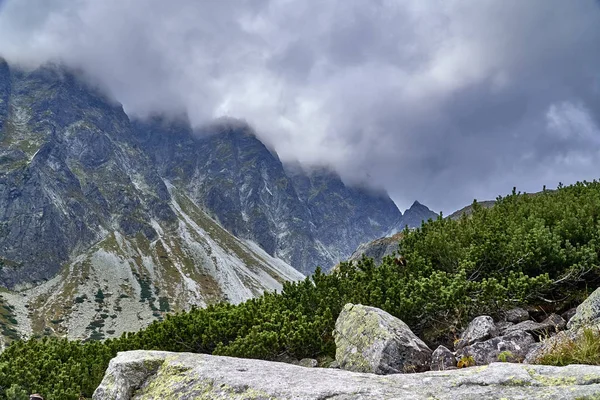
x: 540, y: 250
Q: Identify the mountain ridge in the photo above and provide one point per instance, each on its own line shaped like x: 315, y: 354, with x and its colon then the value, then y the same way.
x: 108, y: 223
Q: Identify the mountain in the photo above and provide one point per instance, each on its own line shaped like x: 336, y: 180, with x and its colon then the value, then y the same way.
x: 102, y: 241
x: 415, y: 215
x: 306, y: 218
x: 388, y: 244
x: 108, y: 224
x: 378, y: 248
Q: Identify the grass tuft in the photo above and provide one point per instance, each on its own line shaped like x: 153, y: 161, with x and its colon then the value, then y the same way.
x: 583, y: 350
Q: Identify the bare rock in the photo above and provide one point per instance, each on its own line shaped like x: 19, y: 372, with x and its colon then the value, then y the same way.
x: 442, y: 359
x: 588, y: 312
x: 162, y: 375
x: 503, y: 326
x: 368, y: 339
x: 480, y: 329
x: 540, y: 330
x: 308, y: 363
x: 517, y: 315
x: 513, y: 347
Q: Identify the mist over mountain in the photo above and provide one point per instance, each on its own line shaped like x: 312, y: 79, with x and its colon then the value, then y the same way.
x: 438, y: 101
x: 104, y: 216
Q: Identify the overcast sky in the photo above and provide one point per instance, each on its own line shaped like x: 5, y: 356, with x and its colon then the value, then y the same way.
x: 440, y: 100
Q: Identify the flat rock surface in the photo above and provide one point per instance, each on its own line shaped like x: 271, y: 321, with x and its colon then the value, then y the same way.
x: 161, y: 375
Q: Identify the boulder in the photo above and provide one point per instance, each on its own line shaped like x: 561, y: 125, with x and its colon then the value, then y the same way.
x: 588, y: 312
x: 511, y: 347
x: 368, y: 339
x: 442, y: 359
x: 552, y: 324
x: 480, y: 329
x: 186, y: 376
x: 517, y: 315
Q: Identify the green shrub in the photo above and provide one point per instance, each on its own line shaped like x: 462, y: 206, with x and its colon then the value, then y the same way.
x: 524, y: 251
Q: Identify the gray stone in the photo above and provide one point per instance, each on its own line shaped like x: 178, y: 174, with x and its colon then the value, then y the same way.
x: 517, y: 315
x: 368, y: 339
x: 308, y: 363
x: 480, y: 329
x: 512, y: 347
x: 442, y: 359
x: 160, y: 375
x: 503, y: 326
x: 555, y: 321
x: 540, y: 330
x: 588, y: 312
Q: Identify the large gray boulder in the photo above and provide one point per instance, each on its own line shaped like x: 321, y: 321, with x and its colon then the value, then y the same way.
x: 161, y: 375
x: 368, y: 339
x: 588, y: 312
x: 513, y: 347
x: 480, y: 329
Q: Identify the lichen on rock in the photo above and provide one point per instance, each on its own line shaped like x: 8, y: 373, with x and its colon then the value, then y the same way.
x: 371, y: 340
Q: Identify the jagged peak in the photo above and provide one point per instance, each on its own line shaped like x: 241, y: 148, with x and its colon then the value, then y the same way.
x: 416, y: 205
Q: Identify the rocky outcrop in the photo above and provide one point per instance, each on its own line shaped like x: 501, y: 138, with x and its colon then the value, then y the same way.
x: 107, y: 224
x: 588, y: 312
x: 368, y: 339
x: 162, y: 375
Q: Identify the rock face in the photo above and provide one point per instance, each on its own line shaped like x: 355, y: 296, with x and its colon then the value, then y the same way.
x: 515, y: 347
x: 368, y: 339
x: 588, y: 312
x: 415, y: 215
x: 480, y: 329
x: 161, y: 375
x: 308, y: 218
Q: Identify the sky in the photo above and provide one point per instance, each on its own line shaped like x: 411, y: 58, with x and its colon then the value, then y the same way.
x: 442, y: 101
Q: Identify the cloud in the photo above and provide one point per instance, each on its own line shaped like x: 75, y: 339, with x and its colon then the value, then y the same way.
x: 442, y: 101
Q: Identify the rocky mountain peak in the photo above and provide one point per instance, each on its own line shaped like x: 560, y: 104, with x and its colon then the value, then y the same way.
x: 416, y: 214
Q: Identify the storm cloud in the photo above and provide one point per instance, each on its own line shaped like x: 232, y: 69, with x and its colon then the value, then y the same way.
x: 440, y: 101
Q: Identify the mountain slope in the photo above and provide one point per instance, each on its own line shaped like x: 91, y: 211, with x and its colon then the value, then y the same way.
x: 83, y: 209
x: 107, y: 225
x: 307, y: 219
x: 383, y: 246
